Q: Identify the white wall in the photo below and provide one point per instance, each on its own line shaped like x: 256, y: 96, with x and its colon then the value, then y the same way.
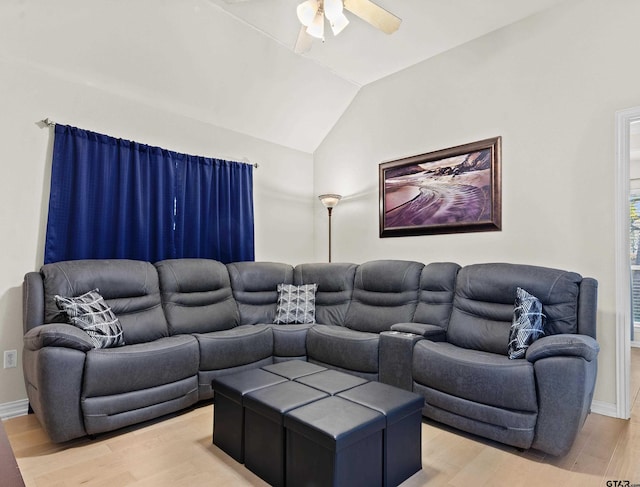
x: 282, y: 185
x: 550, y: 86
x: 188, y: 56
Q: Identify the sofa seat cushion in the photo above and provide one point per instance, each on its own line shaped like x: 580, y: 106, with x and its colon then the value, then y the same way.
x: 344, y: 348
x: 477, y: 376
x: 290, y: 340
x: 239, y: 346
x: 119, y: 370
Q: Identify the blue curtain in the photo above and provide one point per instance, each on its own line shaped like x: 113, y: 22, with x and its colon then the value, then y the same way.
x: 112, y: 198
x: 214, y: 217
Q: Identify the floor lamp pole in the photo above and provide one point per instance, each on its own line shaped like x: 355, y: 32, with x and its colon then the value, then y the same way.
x: 329, y: 201
x: 330, y: 210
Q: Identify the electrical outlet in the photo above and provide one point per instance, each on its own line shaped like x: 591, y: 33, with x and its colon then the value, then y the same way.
x: 10, y: 359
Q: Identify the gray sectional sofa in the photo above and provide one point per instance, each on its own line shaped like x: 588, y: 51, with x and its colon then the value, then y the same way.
x: 437, y: 329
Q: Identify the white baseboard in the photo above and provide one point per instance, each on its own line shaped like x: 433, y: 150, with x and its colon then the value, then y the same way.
x: 13, y: 409
x: 604, y: 408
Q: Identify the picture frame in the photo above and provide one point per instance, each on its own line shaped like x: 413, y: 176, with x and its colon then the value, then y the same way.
x: 452, y: 190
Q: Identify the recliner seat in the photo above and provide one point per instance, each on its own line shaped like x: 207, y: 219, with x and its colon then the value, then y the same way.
x: 469, y: 382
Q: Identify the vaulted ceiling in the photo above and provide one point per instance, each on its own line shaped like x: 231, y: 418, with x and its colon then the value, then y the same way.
x: 232, y: 64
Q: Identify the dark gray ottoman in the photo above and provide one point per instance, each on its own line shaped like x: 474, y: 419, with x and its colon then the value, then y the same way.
x: 228, y: 411
x: 331, y: 381
x: 264, y: 438
x: 334, y: 442
x: 293, y: 369
x: 402, y: 435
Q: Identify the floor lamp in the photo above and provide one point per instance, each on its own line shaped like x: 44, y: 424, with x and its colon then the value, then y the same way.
x: 329, y: 201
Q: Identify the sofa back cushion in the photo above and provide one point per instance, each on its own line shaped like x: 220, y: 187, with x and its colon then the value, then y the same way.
x: 197, y: 296
x: 255, y: 289
x: 483, y: 304
x: 385, y: 292
x: 335, y: 288
x: 435, y: 298
x: 129, y: 287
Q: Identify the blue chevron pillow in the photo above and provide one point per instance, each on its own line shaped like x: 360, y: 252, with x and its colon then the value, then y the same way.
x: 296, y: 304
x: 527, y: 325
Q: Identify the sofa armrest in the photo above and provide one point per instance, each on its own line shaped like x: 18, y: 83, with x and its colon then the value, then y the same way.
x: 396, y: 358
x: 434, y: 333
x: 57, y: 335
x: 565, y: 373
x: 563, y: 345
x: 53, y: 379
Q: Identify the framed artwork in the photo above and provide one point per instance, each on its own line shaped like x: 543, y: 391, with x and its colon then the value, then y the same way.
x: 447, y: 191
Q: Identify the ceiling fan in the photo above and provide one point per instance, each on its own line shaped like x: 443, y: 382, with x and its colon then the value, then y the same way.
x: 312, y: 14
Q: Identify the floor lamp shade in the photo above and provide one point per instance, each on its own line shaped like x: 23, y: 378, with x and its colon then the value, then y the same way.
x: 330, y: 201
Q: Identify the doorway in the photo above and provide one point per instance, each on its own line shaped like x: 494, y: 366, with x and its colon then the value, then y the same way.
x: 634, y: 235
x: 627, y: 122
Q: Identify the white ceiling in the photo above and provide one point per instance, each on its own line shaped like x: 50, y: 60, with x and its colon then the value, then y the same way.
x: 362, y: 54
x: 233, y: 65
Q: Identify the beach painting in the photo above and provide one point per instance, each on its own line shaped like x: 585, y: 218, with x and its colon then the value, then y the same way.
x: 448, y: 191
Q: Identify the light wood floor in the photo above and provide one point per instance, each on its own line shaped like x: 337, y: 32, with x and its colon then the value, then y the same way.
x: 178, y: 452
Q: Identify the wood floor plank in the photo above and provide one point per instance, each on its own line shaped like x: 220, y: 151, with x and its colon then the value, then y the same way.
x: 625, y: 460
x: 179, y: 451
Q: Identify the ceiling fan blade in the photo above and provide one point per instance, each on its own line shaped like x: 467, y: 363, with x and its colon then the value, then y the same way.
x: 374, y: 14
x: 304, y: 41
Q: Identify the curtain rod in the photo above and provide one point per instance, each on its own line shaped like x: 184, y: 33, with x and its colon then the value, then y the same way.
x: 50, y: 123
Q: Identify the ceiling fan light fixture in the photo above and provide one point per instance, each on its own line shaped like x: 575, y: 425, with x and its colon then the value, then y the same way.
x: 333, y: 11
x: 307, y: 12
x: 338, y: 23
x: 332, y: 8
x: 311, y: 14
x: 316, y: 28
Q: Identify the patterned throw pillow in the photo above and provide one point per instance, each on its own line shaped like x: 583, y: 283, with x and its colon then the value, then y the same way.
x: 527, y: 325
x: 296, y: 304
x: 90, y: 313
